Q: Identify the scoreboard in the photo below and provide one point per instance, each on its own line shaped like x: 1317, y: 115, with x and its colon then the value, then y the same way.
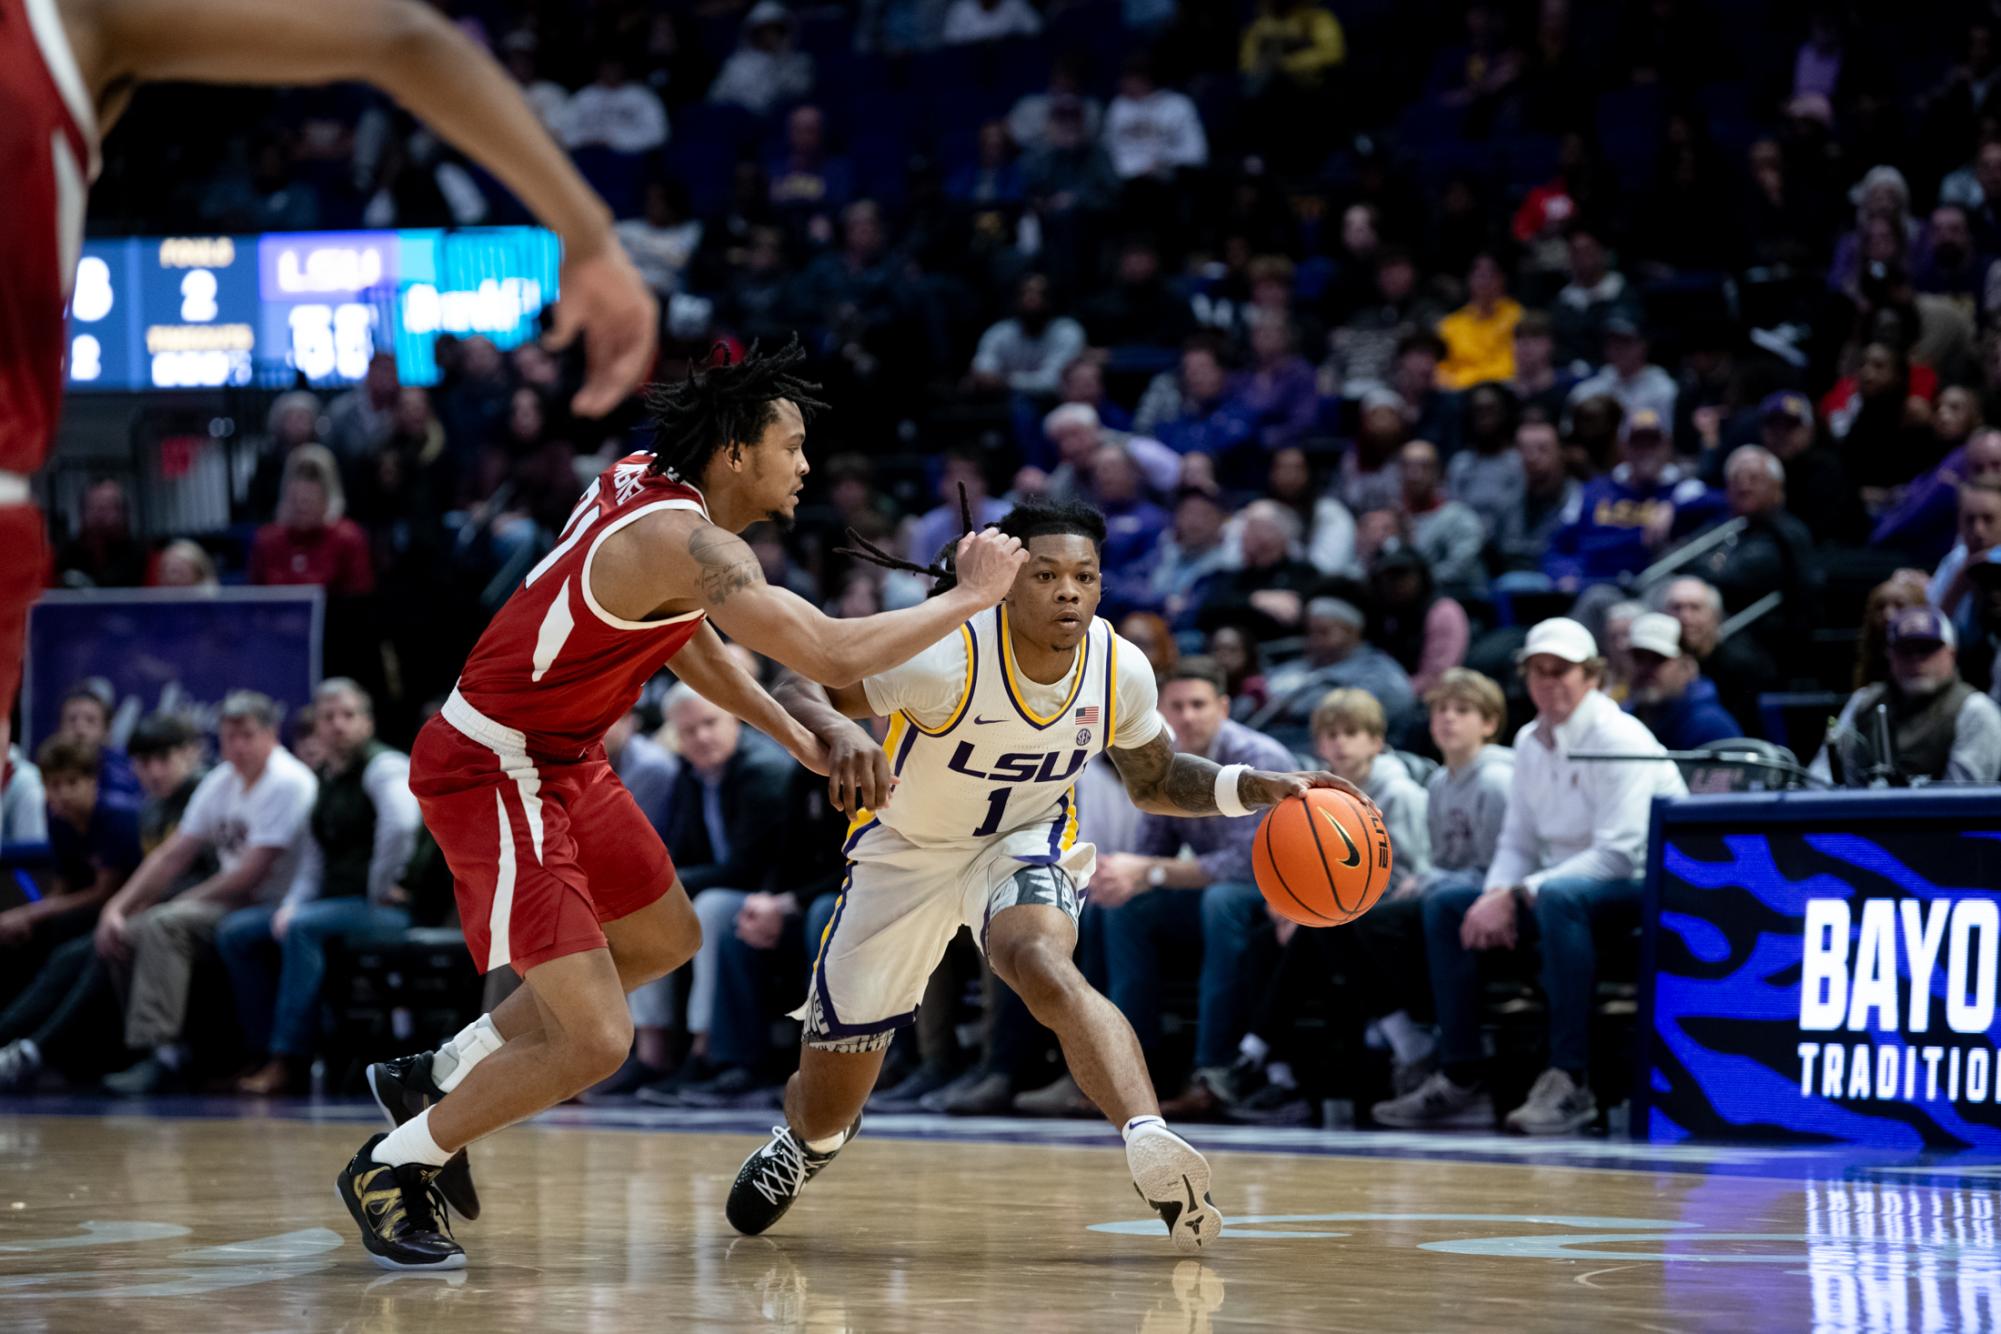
x: 205, y: 312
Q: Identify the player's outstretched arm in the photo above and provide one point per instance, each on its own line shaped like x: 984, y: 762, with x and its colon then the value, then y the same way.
x: 1162, y: 781
x: 410, y: 51
x: 858, y: 773
x: 705, y: 665
x: 730, y: 586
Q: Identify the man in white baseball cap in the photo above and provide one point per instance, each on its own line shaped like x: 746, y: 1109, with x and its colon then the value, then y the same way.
x: 1668, y: 691
x: 1568, y: 864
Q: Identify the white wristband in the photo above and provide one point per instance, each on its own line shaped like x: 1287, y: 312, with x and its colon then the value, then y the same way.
x: 1227, y: 800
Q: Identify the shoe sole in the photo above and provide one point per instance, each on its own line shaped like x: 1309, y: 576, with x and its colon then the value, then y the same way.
x: 1180, y: 1176
x: 455, y: 1181
x: 353, y: 1207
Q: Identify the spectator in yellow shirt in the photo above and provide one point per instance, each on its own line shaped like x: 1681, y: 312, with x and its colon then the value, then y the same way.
x: 1297, y: 40
x: 1480, y: 335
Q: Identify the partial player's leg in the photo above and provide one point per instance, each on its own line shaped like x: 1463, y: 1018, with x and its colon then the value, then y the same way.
x: 823, y: 1111
x: 1031, y: 949
x: 873, y: 962
x: 583, y: 1037
x: 643, y: 913
x: 1031, y: 940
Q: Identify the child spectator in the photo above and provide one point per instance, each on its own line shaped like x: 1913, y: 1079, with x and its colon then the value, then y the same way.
x: 1350, y: 733
x: 94, y: 845
x: 1468, y: 795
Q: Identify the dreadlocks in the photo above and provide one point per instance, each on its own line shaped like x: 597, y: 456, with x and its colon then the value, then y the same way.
x: 945, y: 577
x: 728, y: 405
x: 1028, y: 519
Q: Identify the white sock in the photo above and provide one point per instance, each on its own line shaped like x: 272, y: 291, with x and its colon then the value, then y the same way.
x: 827, y: 1144
x: 411, y: 1142
x: 453, y: 1061
x: 1410, y: 1040
x: 1279, y: 1073
x: 31, y: 1051
x: 1140, y: 1123
x: 171, y: 1054
x: 1254, y: 1049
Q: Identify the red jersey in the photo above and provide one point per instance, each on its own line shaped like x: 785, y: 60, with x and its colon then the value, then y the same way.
x: 48, y: 153
x: 556, y: 667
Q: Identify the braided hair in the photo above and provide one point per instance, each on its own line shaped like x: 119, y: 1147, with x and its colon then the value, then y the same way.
x: 724, y: 405
x: 1028, y: 519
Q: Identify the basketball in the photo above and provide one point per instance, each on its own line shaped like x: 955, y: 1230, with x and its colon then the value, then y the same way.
x: 1322, y: 859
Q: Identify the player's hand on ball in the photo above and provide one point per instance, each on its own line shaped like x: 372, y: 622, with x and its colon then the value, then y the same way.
x: 1269, y: 789
x: 987, y: 562
x: 858, y: 776
x: 605, y: 300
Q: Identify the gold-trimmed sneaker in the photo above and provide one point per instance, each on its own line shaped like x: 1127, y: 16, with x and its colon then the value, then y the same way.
x: 403, y: 1219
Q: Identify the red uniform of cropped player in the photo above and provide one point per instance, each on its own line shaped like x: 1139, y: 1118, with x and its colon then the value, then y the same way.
x: 48, y: 152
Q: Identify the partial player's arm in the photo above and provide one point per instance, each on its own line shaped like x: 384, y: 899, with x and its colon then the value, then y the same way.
x: 727, y: 582
x: 858, y: 772
x: 1163, y: 781
x: 416, y: 55
x: 705, y: 665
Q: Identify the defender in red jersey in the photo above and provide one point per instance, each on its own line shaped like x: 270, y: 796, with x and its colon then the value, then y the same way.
x: 557, y: 873
x: 67, y: 69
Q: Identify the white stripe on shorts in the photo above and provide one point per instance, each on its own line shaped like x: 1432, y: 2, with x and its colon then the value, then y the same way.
x: 512, y: 749
x: 499, y: 919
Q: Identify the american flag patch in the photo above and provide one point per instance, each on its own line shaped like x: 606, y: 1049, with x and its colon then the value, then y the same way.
x: 1087, y: 716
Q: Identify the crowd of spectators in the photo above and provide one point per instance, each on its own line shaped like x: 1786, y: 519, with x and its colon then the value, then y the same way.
x: 1379, y: 338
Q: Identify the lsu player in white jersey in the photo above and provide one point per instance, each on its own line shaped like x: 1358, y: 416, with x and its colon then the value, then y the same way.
x: 967, y: 815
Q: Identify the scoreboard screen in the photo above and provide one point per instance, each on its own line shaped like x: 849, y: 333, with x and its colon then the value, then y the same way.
x: 204, y: 312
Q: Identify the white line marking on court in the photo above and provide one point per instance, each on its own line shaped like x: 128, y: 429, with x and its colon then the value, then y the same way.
x: 98, y: 1234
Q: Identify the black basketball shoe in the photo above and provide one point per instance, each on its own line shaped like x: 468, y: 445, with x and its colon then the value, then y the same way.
x: 771, y: 1179
x: 400, y: 1212
x: 404, y: 1087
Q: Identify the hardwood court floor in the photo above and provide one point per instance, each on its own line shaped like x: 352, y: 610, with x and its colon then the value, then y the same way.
x: 133, y: 1222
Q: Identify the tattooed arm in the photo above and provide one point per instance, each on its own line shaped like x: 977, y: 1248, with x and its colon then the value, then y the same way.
x: 675, y: 563
x: 1162, y: 781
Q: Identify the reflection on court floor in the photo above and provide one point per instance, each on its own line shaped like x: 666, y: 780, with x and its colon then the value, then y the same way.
x: 598, y: 1221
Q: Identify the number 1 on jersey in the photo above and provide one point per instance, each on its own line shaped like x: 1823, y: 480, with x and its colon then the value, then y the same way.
x: 996, y: 807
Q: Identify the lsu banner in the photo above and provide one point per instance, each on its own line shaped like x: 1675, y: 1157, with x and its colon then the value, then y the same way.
x: 177, y: 649
x: 1825, y: 969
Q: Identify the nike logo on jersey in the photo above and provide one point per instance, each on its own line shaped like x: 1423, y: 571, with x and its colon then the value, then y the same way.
x: 1354, y: 853
x: 984, y: 722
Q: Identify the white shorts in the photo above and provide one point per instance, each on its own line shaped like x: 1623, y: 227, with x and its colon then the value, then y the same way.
x: 899, y: 910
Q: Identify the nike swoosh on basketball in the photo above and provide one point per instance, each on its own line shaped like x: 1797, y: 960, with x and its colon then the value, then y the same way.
x: 1354, y: 853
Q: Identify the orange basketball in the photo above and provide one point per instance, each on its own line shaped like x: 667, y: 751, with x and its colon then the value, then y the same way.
x: 1322, y: 859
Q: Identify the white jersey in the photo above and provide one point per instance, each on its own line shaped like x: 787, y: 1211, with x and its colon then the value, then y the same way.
x: 982, y: 753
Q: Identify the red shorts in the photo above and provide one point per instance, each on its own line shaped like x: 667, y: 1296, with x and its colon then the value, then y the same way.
x: 541, y: 852
x: 20, y: 585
